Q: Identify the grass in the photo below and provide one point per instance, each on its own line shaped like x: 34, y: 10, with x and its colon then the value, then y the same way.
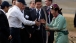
x: 70, y: 24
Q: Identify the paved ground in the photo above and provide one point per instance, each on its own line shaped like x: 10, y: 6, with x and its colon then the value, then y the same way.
x: 72, y: 34
x: 72, y: 37
x: 69, y: 15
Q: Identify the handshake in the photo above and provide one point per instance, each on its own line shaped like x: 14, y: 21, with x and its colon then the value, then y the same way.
x: 38, y: 23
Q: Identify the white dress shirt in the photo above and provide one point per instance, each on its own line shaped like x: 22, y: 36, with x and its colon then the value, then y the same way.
x: 16, y: 18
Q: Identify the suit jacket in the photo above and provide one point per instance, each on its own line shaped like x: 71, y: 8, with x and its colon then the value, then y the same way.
x: 28, y: 17
x: 4, y: 25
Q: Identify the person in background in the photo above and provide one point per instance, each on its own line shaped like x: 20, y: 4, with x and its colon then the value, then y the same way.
x: 16, y: 18
x: 4, y: 25
x: 32, y: 4
x: 58, y: 25
x: 48, y: 3
x: 75, y: 20
x: 0, y: 3
x: 13, y: 2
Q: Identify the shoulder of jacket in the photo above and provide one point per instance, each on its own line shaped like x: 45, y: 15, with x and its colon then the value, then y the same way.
x: 1, y: 12
x: 44, y: 7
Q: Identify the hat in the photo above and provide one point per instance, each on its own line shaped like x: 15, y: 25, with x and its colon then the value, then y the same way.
x: 5, y: 3
x: 38, y: 1
x: 55, y: 7
x: 22, y: 1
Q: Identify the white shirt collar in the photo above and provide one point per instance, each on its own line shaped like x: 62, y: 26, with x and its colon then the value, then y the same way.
x: 3, y: 11
x: 37, y: 9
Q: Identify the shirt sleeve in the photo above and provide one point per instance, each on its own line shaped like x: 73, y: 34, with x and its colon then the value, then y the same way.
x: 20, y: 16
x: 60, y: 24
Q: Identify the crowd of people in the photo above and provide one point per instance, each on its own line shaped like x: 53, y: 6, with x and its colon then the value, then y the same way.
x: 34, y: 24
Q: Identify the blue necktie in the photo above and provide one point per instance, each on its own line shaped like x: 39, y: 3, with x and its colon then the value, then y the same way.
x: 38, y: 15
x: 38, y: 18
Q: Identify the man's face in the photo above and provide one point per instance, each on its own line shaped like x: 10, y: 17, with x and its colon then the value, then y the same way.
x: 0, y: 2
x: 14, y: 2
x: 32, y: 4
x: 22, y: 6
x: 48, y: 3
x: 7, y: 8
x: 38, y: 5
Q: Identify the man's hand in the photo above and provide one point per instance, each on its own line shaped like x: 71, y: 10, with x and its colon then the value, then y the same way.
x: 43, y: 21
x: 37, y: 23
x: 10, y: 37
x: 47, y: 28
x: 29, y: 35
x: 48, y: 33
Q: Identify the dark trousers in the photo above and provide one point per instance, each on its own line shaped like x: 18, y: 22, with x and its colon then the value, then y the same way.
x: 15, y: 32
x: 51, y: 37
x: 44, y: 36
x: 37, y: 37
x: 3, y: 38
x: 24, y: 35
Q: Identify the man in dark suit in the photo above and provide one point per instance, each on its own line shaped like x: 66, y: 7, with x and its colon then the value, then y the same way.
x: 38, y: 33
x: 75, y: 20
x: 49, y: 19
x: 4, y: 25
